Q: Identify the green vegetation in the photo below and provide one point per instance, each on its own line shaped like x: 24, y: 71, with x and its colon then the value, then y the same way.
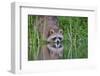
x: 75, y: 32
x: 33, y: 39
x: 75, y: 36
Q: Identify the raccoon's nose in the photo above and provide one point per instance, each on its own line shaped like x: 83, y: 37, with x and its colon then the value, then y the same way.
x: 58, y: 42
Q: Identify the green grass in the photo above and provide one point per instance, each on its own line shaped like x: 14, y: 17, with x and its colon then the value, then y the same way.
x: 75, y: 32
x: 75, y: 36
x: 33, y: 39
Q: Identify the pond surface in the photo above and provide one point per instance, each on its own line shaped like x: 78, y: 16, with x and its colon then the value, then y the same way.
x: 53, y: 51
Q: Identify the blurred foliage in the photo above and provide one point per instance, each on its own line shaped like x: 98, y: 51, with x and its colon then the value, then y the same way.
x: 75, y: 36
x: 33, y: 39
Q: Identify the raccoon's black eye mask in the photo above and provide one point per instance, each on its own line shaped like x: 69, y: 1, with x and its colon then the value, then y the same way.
x: 60, y: 38
x: 56, y: 38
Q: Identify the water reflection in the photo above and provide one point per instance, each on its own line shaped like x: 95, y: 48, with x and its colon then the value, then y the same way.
x: 51, y: 51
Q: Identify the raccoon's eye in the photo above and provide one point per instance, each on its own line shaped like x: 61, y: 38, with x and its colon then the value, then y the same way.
x: 61, y: 31
x: 51, y: 31
x: 60, y: 38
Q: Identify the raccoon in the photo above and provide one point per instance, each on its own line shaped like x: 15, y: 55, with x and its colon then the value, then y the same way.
x: 51, y: 51
x: 49, y: 29
x: 55, y: 50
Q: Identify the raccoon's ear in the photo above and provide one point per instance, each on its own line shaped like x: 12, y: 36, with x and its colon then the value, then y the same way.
x: 61, y: 31
x: 51, y: 31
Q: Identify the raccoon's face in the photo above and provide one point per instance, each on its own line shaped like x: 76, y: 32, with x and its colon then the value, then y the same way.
x: 55, y: 36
